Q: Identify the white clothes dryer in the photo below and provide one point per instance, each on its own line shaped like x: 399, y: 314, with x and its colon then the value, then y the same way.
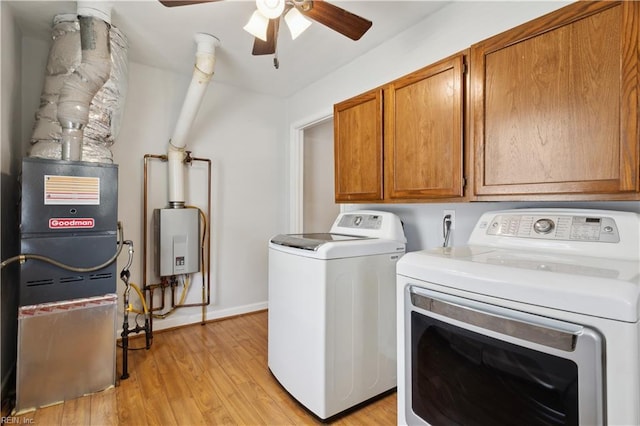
x: 332, y: 331
x: 535, y: 321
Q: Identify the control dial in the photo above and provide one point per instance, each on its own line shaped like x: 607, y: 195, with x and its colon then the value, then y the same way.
x: 543, y: 226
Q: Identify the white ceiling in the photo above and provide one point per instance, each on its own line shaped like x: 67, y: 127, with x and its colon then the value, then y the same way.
x: 163, y: 37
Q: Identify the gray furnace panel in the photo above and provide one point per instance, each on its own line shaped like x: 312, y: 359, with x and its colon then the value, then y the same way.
x: 69, y: 213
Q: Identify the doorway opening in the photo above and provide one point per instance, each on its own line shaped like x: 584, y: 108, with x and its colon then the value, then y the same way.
x: 313, y: 207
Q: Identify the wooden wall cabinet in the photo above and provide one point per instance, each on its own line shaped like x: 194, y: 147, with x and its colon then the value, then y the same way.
x: 404, y: 142
x: 358, y: 148
x: 553, y: 109
x: 424, y: 133
x: 554, y: 106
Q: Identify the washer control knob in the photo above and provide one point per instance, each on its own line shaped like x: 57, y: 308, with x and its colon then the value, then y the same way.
x: 543, y: 226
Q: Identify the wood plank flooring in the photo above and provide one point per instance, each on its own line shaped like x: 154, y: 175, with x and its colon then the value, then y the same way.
x: 214, y: 374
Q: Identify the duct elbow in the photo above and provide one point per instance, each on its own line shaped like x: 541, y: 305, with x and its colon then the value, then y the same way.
x: 78, y: 92
x: 81, y: 86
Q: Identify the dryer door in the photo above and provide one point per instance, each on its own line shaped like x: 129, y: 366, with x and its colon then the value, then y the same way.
x: 469, y: 362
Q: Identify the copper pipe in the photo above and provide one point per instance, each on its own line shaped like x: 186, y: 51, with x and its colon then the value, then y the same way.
x: 144, y: 213
x: 144, y: 235
x: 206, y: 291
x: 150, y: 290
x: 208, y: 239
x: 151, y: 287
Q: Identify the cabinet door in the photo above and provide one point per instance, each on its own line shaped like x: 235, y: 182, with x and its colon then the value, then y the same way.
x: 555, y: 104
x: 358, y: 148
x: 424, y: 132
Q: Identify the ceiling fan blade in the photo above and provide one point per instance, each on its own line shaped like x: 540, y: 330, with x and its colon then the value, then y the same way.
x: 268, y: 47
x: 173, y: 3
x: 338, y: 19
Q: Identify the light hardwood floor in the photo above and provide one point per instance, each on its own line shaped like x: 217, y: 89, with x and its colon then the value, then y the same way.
x: 212, y: 374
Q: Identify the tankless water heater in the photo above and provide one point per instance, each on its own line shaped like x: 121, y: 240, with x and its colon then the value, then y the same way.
x: 177, y: 241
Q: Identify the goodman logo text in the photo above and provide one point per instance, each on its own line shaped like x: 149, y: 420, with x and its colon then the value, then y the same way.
x: 76, y: 223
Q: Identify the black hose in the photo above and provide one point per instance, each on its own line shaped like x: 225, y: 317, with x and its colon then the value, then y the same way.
x: 27, y: 256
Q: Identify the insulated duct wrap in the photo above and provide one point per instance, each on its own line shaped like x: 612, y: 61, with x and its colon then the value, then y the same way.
x: 105, y: 110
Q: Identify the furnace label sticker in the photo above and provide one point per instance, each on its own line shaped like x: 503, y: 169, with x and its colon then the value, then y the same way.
x: 71, y: 190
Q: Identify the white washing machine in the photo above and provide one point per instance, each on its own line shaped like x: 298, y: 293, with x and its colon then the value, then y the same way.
x: 535, y: 321
x: 332, y: 329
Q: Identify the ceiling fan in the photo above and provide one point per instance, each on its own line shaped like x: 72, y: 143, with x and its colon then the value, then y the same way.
x: 265, y: 21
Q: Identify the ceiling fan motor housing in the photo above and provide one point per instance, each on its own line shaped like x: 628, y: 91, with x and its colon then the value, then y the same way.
x: 270, y: 8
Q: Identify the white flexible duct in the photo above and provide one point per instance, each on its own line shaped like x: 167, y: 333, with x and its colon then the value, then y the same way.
x: 81, y: 86
x: 202, y: 73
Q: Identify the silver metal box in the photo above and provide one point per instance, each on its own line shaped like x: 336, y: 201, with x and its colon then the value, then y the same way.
x: 65, y: 350
x: 177, y: 241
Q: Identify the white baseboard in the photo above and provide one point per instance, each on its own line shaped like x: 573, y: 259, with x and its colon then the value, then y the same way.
x: 177, y: 320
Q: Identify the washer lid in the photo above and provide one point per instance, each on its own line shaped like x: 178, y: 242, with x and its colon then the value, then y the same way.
x: 311, y: 241
x: 334, y: 246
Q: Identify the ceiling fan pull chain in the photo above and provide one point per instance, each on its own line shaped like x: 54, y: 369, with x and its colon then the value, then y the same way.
x: 276, y: 61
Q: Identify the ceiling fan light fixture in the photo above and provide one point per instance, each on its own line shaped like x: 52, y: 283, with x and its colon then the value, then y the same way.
x: 270, y: 8
x: 296, y: 22
x: 257, y: 25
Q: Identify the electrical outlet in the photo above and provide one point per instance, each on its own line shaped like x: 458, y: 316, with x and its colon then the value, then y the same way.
x: 451, y: 213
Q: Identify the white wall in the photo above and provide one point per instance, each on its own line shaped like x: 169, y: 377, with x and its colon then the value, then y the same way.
x: 319, y: 207
x: 423, y: 222
x: 241, y: 132
x: 451, y: 29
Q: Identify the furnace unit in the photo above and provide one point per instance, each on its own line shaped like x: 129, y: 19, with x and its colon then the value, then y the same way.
x: 67, y: 301
x: 69, y: 214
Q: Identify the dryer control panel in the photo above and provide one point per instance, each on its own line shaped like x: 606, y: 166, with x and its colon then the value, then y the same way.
x: 555, y: 227
x: 609, y: 234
